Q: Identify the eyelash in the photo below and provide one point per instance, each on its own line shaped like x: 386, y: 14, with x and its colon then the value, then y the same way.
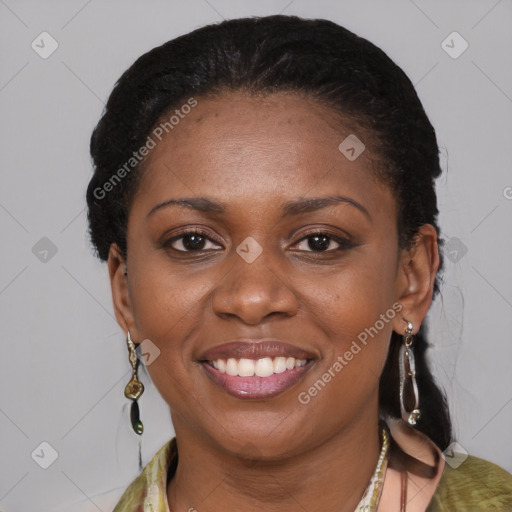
x: 183, y: 234
x: 344, y: 243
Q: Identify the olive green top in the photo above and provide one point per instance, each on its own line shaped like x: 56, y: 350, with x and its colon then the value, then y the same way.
x: 475, y: 486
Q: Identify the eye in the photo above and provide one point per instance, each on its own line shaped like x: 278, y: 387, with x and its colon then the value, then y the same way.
x: 192, y: 241
x: 322, y: 242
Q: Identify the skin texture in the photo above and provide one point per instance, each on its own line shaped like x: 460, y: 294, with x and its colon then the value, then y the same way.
x: 253, y: 155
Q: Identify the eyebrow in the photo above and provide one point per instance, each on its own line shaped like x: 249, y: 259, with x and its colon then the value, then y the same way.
x: 290, y: 208
x: 306, y: 205
x: 202, y: 204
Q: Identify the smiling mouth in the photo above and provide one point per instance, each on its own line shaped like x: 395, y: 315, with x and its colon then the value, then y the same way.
x: 256, y: 369
x: 257, y: 378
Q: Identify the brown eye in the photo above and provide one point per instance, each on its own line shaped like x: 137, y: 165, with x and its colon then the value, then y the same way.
x: 319, y: 242
x: 192, y: 242
x: 322, y: 242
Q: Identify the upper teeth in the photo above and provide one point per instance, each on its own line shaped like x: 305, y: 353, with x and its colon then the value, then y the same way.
x: 261, y: 368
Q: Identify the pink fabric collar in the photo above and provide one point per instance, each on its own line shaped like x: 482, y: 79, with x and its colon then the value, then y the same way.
x: 420, y: 490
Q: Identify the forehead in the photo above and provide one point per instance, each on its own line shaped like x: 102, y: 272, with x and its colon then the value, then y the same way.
x: 257, y: 148
x: 232, y: 120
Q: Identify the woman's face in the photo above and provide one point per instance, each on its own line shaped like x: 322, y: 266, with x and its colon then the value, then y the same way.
x: 250, y: 224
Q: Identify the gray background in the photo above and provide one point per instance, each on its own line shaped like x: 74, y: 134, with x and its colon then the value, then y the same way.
x: 64, y: 360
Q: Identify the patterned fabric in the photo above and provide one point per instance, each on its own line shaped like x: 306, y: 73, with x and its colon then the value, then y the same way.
x: 475, y: 486
x: 372, y: 494
x: 148, y: 492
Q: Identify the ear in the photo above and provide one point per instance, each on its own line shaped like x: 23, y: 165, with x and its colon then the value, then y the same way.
x: 417, y: 272
x: 120, y: 292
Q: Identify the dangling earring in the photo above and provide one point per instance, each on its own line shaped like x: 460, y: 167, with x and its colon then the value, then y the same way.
x: 407, y: 368
x: 134, y: 388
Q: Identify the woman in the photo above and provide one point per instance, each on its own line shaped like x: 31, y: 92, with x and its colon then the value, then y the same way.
x: 264, y: 196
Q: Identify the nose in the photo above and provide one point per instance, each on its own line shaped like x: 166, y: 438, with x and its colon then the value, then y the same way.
x: 254, y: 291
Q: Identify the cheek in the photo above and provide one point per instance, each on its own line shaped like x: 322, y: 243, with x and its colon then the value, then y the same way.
x: 168, y: 308
x: 351, y: 300
x: 355, y: 309
x: 164, y: 299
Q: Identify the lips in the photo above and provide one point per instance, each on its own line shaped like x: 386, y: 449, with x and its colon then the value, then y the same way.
x: 251, y: 349
x: 256, y: 369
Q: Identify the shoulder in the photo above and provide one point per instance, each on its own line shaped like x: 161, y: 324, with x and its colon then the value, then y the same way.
x: 150, y: 487
x: 475, y: 485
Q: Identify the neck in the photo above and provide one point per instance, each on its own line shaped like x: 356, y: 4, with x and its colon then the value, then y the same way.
x: 330, y: 477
